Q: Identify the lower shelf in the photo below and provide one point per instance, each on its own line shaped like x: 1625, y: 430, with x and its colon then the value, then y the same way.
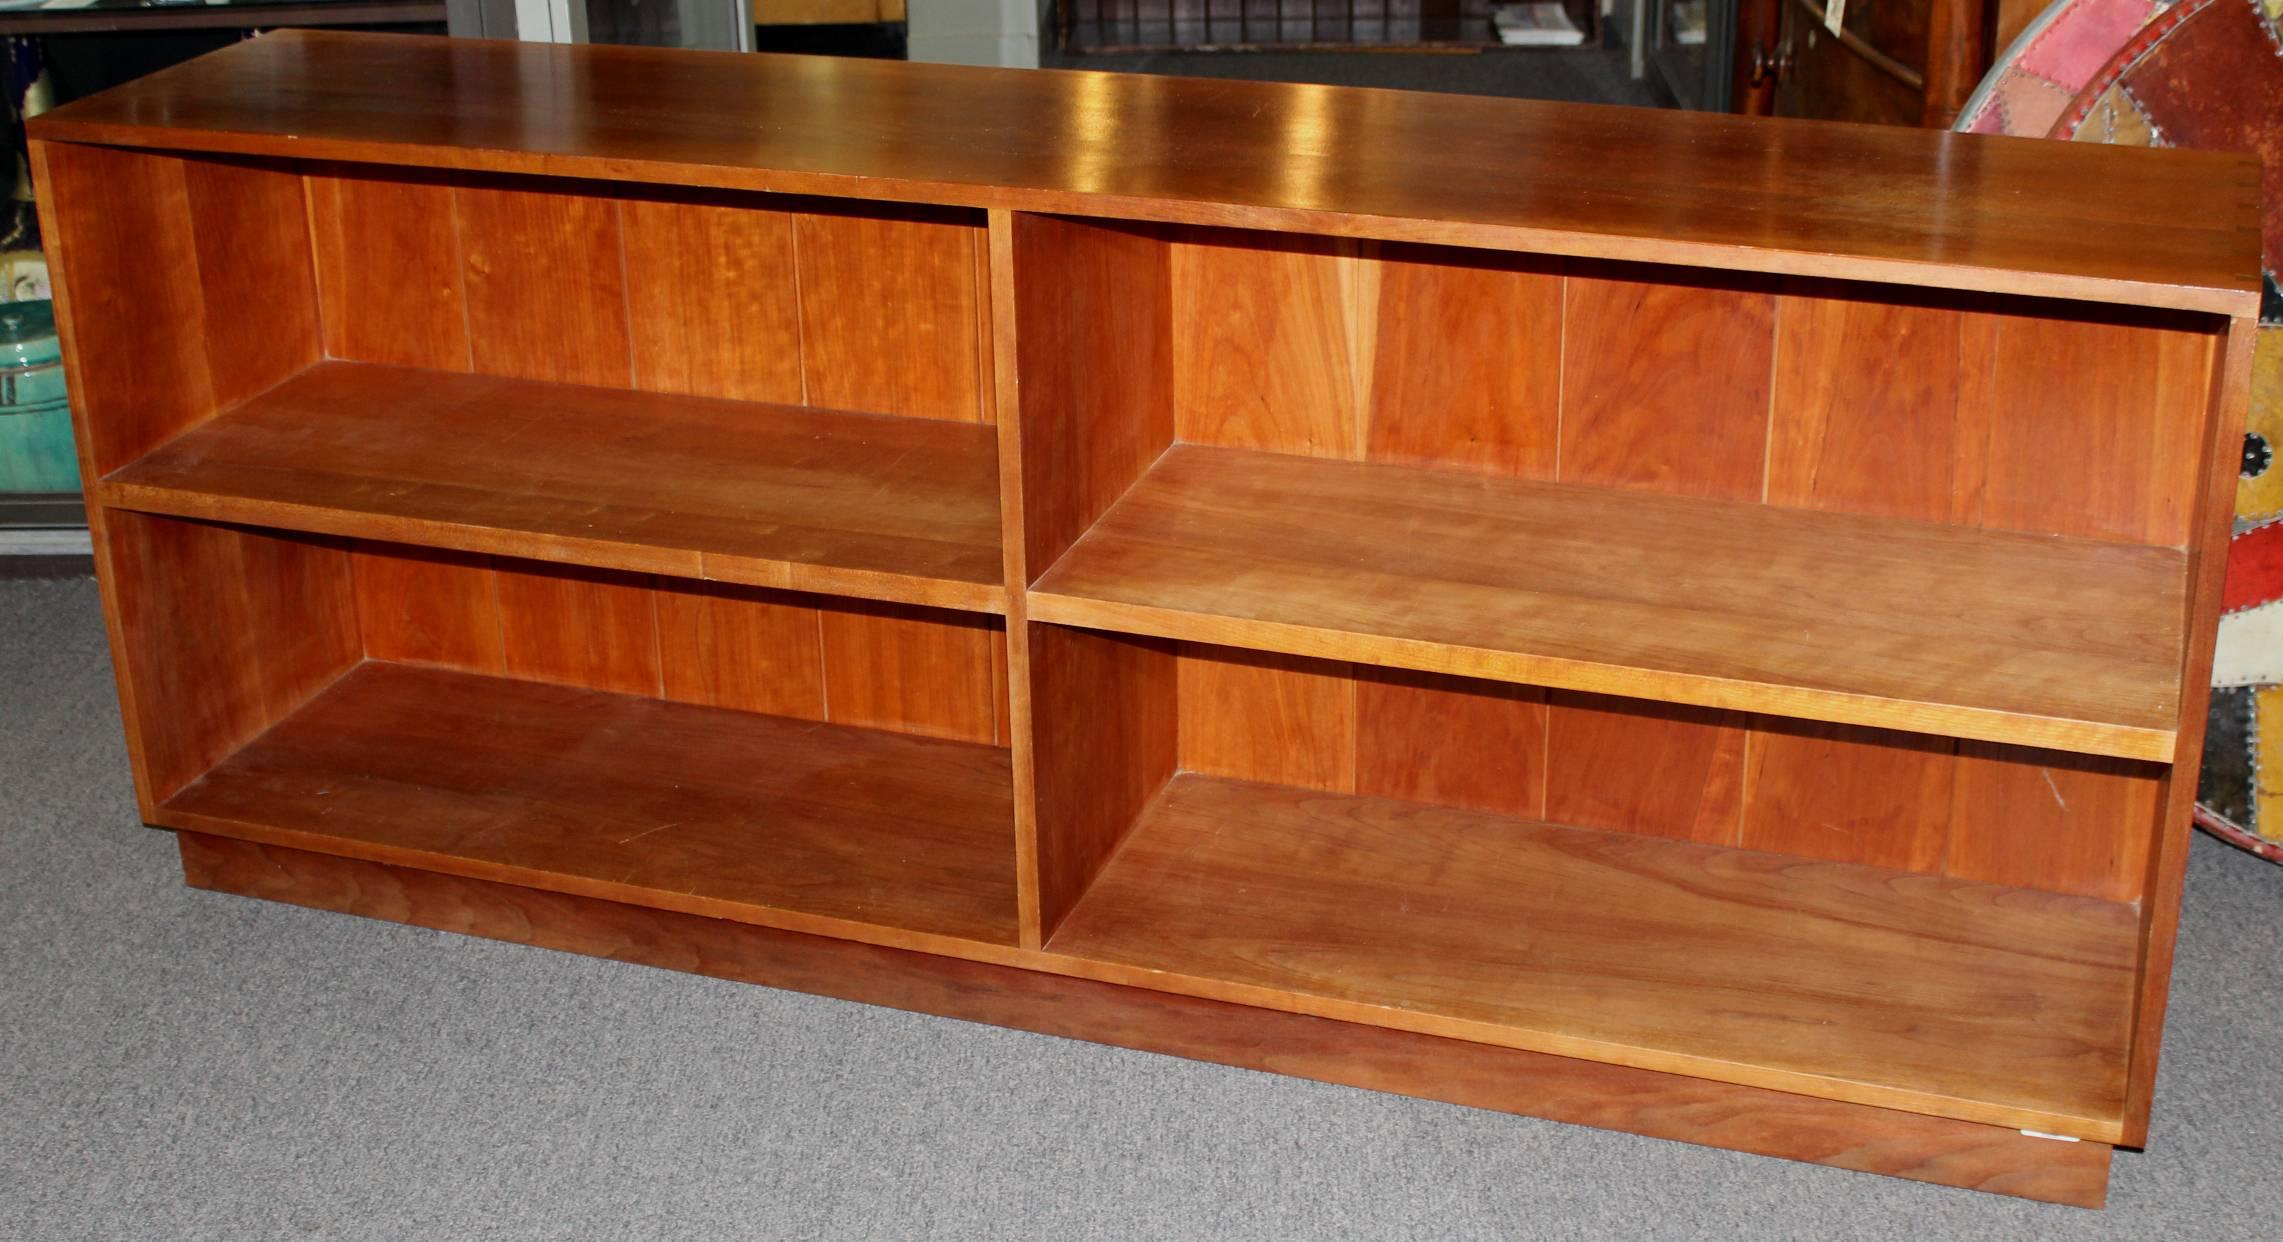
x: 1991, y: 1004
x: 1847, y: 1136
x: 733, y: 815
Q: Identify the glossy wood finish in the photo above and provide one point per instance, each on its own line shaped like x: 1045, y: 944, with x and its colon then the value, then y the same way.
x: 1796, y: 1127
x: 1851, y: 631
x: 1700, y: 189
x: 726, y: 814
x: 769, y: 495
x: 1823, y: 616
x: 1995, y: 1005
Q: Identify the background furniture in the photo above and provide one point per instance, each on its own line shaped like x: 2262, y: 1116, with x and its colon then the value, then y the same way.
x: 1422, y: 592
x: 1892, y: 62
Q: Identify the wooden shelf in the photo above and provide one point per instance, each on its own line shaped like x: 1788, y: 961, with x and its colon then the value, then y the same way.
x: 898, y: 509
x: 1671, y: 187
x: 760, y: 819
x: 2064, y: 643
x: 1974, y: 1001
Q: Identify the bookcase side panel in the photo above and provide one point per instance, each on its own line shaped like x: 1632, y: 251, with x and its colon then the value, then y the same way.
x: 189, y: 279
x: 223, y: 630
x: 1094, y: 390
x: 1105, y: 746
x: 2228, y: 410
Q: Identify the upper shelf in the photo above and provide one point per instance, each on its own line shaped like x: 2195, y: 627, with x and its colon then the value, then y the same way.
x: 2064, y: 643
x: 899, y: 509
x: 2159, y: 228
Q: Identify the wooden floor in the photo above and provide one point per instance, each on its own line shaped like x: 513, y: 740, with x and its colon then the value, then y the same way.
x: 729, y: 814
x: 2069, y: 644
x: 900, y: 509
x: 2014, y: 1007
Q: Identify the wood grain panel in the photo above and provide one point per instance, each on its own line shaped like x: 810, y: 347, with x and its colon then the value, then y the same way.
x: 546, y: 285
x: 1874, y: 412
x: 1093, y: 333
x: 1466, y: 371
x: 2096, y: 427
x: 388, y: 268
x: 251, y: 230
x: 222, y: 631
x: 1669, y: 1106
x: 712, y: 299
x: 118, y: 227
x: 190, y: 288
x: 579, y: 627
x: 1636, y: 766
x: 890, y: 313
x: 1111, y: 745
x: 1264, y: 359
x: 423, y: 606
x: 1475, y: 744
x: 1260, y: 716
x: 1850, y: 795
x: 1665, y: 382
x: 913, y: 670
x: 730, y: 646
x: 1984, y: 1003
x: 784, y: 822
x: 2061, y: 823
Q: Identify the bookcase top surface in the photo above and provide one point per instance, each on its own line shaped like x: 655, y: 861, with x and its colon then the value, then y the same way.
x: 2164, y: 228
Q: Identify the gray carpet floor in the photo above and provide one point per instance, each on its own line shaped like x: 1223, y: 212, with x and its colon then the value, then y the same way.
x: 177, y: 1064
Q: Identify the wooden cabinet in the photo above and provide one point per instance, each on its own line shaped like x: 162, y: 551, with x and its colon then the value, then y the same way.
x: 1890, y: 62
x: 1677, y: 623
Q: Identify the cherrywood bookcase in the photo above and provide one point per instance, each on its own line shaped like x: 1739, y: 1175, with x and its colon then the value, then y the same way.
x: 1675, y: 623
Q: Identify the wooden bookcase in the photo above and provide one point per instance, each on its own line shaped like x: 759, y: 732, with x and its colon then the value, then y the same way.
x: 1669, y: 622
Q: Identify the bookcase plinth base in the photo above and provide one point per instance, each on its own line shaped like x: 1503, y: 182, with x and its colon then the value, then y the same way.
x: 1668, y: 1106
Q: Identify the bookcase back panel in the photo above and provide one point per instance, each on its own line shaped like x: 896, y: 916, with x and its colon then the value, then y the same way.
x: 190, y: 279
x: 2005, y: 815
x: 706, y: 293
x: 884, y: 666
x: 1970, y: 409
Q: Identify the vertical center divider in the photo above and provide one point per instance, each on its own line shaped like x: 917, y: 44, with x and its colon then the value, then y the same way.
x: 1083, y: 317
x: 1006, y: 394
